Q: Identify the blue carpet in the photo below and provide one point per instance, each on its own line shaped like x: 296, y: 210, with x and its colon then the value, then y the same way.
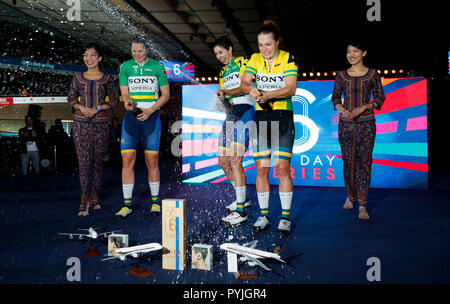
x: 409, y: 233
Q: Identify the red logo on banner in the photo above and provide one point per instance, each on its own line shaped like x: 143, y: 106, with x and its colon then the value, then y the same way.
x: 6, y: 101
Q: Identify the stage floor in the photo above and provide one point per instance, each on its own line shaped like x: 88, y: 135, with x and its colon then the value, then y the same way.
x: 409, y: 233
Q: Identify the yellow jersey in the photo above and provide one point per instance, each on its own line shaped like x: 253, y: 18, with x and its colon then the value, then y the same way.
x: 271, y: 80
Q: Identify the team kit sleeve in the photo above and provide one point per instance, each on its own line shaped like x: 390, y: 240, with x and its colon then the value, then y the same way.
x: 291, y: 67
x: 162, y: 77
x: 242, y: 64
x: 221, y: 77
x: 251, y: 66
x: 123, y: 75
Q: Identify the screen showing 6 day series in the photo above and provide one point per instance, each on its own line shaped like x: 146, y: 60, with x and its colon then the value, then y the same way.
x: 400, y: 156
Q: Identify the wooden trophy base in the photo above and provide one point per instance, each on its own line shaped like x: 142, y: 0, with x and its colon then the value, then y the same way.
x: 246, y: 274
x: 92, y: 251
x: 140, y: 272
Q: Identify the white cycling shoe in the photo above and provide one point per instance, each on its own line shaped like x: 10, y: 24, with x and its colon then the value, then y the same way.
x: 235, y: 218
x: 261, y: 224
x: 232, y: 207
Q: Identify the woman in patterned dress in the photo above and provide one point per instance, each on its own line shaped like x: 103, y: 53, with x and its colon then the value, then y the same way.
x: 357, y: 124
x: 90, y: 124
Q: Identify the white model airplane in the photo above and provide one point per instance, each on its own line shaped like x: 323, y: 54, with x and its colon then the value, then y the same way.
x: 92, y: 233
x: 249, y: 253
x: 135, y: 251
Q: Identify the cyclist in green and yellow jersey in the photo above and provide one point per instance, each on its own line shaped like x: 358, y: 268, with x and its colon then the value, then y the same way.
x: 235, y: 134
x: 141, y: 79
x: 275, y: 73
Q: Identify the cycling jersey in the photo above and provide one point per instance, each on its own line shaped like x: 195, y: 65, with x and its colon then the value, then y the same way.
x: 273, y: 79
x: 143, y: 81
x: 230, y: 78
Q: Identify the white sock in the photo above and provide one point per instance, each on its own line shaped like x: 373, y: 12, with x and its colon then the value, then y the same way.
x: 263, y: 200
x: 154, y: 190
x: 234, y: 185
x: 286, y: 200
x: 240, y: 193
x: 127, y: 190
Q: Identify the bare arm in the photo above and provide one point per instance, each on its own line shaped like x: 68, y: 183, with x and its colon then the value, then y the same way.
x: 247, y: 88
x: 127, y: 102
x: 235, y: 91
x: 246, y: 81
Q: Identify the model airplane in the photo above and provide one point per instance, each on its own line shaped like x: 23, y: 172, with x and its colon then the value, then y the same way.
x: 92, y: 233
x: 249, y: 253
x: 135, y: 251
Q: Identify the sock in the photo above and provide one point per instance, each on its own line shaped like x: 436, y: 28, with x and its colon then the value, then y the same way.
x: 263, y: 200
x: 234, y: 185
x: 240, y: 198
x: 154, y: 190
x: 127, y: 194
x: 286, y: 200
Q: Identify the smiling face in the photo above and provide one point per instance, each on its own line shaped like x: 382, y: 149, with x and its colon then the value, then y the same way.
x: 91, y: 58
x: 355, y: 55
x: 138, y: 52
x: 223, y: 55
x: 267, y: 45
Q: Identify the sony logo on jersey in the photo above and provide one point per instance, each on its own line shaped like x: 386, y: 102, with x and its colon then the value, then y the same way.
x: 232, y: 81
x: 132, y: 80
x: 270, y: 82
x: 143, y: 84
x: 269, y: 78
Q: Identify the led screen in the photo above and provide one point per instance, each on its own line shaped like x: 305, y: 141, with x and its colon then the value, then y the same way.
x: 400, y: 156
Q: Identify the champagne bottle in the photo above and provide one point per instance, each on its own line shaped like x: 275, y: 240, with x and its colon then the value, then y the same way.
x: 136, y: 111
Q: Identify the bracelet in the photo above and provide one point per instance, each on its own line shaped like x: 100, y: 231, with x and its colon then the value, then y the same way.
x: 98, y: 109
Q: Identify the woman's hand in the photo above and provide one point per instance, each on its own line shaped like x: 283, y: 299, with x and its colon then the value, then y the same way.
x: 361, y: 109
x: 263, y: 98
x: 129, y: 105
x: 145, y: 114
x: 254, y: 93
x: 221, y: 94
x: 347, y: 114
x: 88, y: 112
